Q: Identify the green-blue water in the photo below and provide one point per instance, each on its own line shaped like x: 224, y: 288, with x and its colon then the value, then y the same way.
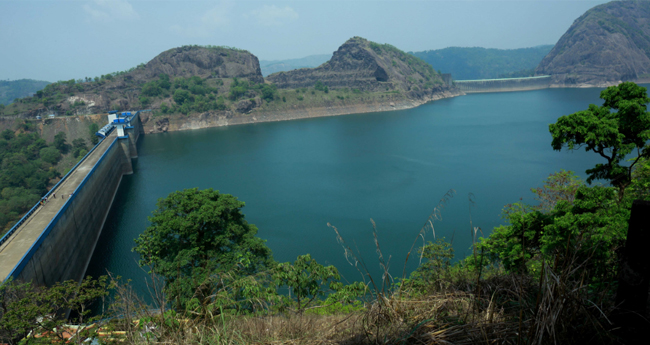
x: 393, y: 167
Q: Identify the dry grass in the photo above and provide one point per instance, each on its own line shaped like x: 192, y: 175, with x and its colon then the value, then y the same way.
x: 463, y: 306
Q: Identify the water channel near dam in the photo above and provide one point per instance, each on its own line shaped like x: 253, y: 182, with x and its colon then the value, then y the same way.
x: 393, y: 167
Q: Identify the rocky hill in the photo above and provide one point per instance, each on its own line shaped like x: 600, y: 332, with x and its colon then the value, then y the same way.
x: 608, y: 44
x: 208, y: 69
x: 367, y: 66
x: 195, y: 87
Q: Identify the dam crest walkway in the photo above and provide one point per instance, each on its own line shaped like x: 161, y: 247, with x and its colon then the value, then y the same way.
x: 16, y: 250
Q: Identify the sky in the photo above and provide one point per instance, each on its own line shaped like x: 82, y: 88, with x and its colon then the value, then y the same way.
x: 70, y: 39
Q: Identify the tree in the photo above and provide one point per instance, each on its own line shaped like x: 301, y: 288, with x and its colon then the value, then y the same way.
x: 79, y: 148
x: 182, y: 96
x: 307, y: 281
x: 92, y: 129
x: 25, y: 308
x: 50, y: 154
x: 611, y: 134
x: 195, y: 235
x: 60, y: 142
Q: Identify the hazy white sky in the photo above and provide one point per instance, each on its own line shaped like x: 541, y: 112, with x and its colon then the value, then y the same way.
x: 59, y: 40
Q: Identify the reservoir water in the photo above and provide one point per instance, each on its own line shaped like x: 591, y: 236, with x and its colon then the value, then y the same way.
x: 393, y: 167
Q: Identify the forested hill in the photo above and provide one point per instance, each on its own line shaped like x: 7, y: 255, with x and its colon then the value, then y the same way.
x: 608, y: 44
x: 485, y: 63
x: 10, y: 90
x: 311, y: 61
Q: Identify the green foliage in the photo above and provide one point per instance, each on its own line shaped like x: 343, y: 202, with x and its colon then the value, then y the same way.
x: 518, y: 74
x: 164, y: 108
x: 376, y: 47
x: 238, y: 89
x: 50, y: 154
x: 92, y: 129
x: 437, y: 260
x: 79, y: 148
x: 319, y: 86
x: 482, y: 63
x: 60, y: 142
x: 611, y: 134
x: 196, y: 236
x: 586, y: 229
x: 10, y: 90
x: 307, y: 281
x: 25, y: 309
x: 559, y: 186
x: 269, y: 92
x: 26, y: 166
x: 182, y: 96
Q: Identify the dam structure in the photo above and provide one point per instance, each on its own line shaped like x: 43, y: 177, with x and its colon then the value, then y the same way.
x: 504, y: 84
x: 55, y: 240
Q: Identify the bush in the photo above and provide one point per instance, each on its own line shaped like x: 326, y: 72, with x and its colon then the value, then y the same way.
x: 50, y: 155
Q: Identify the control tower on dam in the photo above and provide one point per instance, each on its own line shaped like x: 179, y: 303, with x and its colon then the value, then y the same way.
x: 504, y: 84
x: 55, y: 240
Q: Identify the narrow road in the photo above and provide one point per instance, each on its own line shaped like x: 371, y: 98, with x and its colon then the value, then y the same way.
x: 12, y: 251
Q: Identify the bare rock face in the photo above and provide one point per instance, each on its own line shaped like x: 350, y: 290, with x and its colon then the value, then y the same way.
x: 162, y: 125
x: 367, y: 66
x: 246, y: 105
x: 190, y: 61
x: 608, y: 44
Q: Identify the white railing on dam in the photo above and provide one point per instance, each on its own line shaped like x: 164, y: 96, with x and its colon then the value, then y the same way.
x: 504, y: 84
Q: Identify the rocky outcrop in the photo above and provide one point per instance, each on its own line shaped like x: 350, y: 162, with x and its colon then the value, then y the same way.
x: 366, y: 66
x: 204, y: 62
x: 122, y: 91
x: 608, y: 44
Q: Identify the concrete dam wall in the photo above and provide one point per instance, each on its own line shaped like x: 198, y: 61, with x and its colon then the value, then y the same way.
x: 60, y: 247
x: 504, y: 85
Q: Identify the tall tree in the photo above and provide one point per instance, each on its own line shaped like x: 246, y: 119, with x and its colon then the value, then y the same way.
x: 614, y: 130
x: 195, y: 235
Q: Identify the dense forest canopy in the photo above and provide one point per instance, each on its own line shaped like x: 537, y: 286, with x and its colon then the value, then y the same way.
x: 10, y: 90
x: 485, y: 63
x: 27, y: 165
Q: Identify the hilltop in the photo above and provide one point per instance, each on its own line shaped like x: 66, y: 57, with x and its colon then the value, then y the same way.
x: 203, y: 69
x: 608, y: 44
x: 205, y: 86
x: 367, y: 66
x: 485, y: 63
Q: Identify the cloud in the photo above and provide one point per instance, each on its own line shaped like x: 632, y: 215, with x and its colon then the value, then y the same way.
x: 217, y: 17
x: 273, y: 15
x: 105, y: 10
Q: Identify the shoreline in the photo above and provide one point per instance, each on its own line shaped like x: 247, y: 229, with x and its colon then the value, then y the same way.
x: 173, y: 123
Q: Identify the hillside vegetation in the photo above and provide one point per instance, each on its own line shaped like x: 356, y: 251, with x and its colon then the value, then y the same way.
x: 10, y: 90
x: 485, y: 63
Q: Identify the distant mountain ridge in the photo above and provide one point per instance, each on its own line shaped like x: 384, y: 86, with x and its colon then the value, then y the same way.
x: 274, y: 66
x: 484, y: 63
x: 608, y: 44
x: 10, y: 90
